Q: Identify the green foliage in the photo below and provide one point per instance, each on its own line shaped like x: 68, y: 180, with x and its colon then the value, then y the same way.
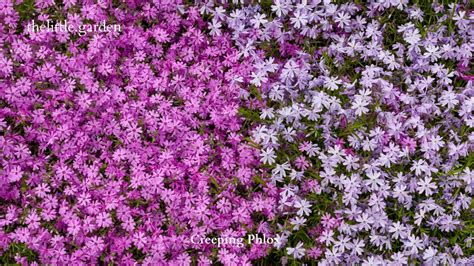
x: 14, y: 249
x: 26, y: 9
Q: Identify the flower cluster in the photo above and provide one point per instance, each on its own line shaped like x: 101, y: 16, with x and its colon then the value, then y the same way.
x: 369, y: 116
x: 119, y: 147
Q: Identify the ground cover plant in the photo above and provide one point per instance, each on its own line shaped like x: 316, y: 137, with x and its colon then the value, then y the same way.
x: 340, y: 129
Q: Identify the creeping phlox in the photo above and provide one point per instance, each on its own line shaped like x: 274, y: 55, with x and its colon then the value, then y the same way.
x: 367, y: 131
x: 282, y: 133
x: 118, y: 147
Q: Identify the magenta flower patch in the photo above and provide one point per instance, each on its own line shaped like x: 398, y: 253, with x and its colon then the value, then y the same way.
x: 119, y: 147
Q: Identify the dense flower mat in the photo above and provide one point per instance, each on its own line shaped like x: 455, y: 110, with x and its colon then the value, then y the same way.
x: 342, y: 131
